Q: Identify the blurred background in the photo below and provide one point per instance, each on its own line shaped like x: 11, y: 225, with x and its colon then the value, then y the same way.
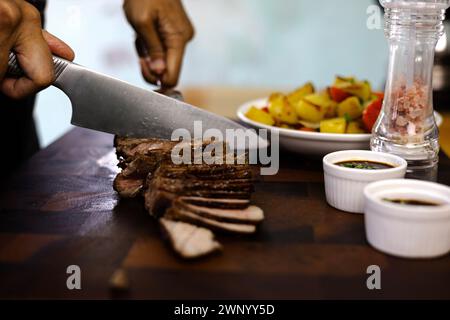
x: 245, y: 44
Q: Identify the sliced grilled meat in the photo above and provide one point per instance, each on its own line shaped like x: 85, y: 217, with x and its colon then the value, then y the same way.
x: 157, y: 201
x: 186, y: 196
x: 140, y: 166
x: 183, y: 186
x: 210, y: 172
x: 190, y: 217
x: 188, y: 240
x: 216, y: 202
x: 128, y: 187
x: 129, y: 148
x: 249, y: 215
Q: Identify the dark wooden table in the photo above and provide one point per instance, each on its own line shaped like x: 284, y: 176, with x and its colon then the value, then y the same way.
x: 61, y: 210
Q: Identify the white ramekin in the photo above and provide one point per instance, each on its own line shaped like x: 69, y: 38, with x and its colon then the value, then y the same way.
x: 404, y: 230
x: 344, y: 186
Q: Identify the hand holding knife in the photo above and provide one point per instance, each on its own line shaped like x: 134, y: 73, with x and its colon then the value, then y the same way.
x: 110, y: 105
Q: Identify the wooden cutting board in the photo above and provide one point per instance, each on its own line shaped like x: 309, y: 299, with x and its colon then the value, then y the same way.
x: 60, y: 210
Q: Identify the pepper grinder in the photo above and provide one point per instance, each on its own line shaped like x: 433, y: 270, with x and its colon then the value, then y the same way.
x: 406, y: 126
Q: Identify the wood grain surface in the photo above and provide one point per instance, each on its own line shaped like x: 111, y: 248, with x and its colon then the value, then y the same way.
x: 60, y: 210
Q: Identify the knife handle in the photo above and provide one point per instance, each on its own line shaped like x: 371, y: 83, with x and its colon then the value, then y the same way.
x: 15, y: 70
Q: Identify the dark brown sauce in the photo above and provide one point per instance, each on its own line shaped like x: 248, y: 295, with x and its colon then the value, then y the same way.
x: 364, y: 164
x: 414, y: 202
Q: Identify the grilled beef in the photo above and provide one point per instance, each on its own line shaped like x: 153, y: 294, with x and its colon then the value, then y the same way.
x: 249, y: 215
x: 184, y: 197
x: 129, y: 148
x: 157, y: 201
x: 216, y: 202
x: 128, y: 187
x: 140, y: 167
x: 170, y: 180
x: 207, y: 172
x: 138, y: 158
x: 188, y: 240
x: 187, y: 186
x: 178, y: 214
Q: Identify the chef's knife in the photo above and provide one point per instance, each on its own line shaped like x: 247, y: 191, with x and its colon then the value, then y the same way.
x: 106, y: 104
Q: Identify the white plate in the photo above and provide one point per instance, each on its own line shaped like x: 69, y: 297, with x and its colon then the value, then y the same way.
x: 312, y: 143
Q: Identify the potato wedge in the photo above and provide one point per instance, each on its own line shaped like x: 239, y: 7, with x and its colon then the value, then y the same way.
x: 281, y: 109
x: 320, y: 100
x: 260, y: 116
x: 335, y: 125
x: 310, y: 112
x: 323, y: 101
x: 355, y: 127
x: 350, y: 107
x: 340, y: 81
x: 275, y: 96
x: 309, y: 125
x: 361, y: 89
x: 339, y: 108
x: 366, y: 93
x: 295, y: 96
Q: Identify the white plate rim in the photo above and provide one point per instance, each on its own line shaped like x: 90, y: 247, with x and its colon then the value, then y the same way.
x: 262, y: 102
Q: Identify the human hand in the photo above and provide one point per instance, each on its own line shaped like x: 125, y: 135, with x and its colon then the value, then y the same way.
x: 21, y: 33
x: 163, y: 31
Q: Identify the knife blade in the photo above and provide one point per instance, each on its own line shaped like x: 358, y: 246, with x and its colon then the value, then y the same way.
x: 103, y: 103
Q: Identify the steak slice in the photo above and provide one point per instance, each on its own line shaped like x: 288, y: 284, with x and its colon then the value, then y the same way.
x: 140, y: 166
x: 178, y: 214
x: 182, y: 186
x: 189, y: 241
x: 128, y: 187
x: 216, y: 202
x: 140, y: 156
x: 157, y: 201
x: 217, y: 194
x: 202, y: 193
x: 209, y: 172
x: 129, y: 147
x: 250, y: 215
x: 189, y: 199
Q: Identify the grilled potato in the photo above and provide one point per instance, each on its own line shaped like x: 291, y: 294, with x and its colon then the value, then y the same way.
x: 260, y: 116
x: 321, y: 100
x: 281, y: 109
x: 335, y: 125
x: 295, y: 96
x: 315, y: 107
x: 340, y: 81
x: 355, y: 127
x: 310, y: 112
x: 350, y: 107
x: 361, y: 89
x: 341, y: 107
